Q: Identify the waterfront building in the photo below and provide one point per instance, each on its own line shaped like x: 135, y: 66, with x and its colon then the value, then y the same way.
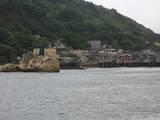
x: 111, y: 52
x: 124, y: 58
x: 69, y: 63
x: 82, y: 54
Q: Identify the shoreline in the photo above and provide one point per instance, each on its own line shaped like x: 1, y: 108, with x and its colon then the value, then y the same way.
x: 33, y: 71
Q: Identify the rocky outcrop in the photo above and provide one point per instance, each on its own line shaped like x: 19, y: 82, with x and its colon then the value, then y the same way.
x: 26, y: 58
x: 44, y: 64
x: 8, y: 68
x: 49, y: 64
x: 36, y: 64
x: 1, y: 67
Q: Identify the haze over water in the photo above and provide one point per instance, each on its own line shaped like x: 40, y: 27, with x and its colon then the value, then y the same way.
x: 93, y: 94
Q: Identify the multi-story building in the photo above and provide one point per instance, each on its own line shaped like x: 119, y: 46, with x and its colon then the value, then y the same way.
x: 95, y: 44
x: 124, y: 58
x: 82, y: 54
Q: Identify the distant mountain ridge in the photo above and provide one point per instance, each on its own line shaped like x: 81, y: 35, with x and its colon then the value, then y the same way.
x: 74, y: 21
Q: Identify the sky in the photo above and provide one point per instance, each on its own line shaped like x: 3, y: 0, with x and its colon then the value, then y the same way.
x: 146, y: 12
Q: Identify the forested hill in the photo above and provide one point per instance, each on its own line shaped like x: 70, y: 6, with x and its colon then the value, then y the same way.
x: 74, y: 21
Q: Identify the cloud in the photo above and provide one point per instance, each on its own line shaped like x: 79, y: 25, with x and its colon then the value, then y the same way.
x: 146, y: 12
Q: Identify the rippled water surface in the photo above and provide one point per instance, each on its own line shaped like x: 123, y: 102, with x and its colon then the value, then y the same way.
x: 93, y: 94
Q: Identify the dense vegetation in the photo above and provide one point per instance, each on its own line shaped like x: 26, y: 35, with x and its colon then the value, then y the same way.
x: 25, y: 24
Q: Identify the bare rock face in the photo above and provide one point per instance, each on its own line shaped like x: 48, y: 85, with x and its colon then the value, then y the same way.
x: 0, y: 68
x: 43, y: 64
x: 35, y: 63
x: 49, y: 64
x: 8, y: 68
x: 26, y: 58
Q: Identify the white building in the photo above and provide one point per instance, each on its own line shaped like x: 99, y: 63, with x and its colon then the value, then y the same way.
x: 95, y: 45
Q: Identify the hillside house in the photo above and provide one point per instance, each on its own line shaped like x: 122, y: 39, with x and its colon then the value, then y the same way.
x: 82, y: 54
x: 95, y: 45
x: 124, y: 58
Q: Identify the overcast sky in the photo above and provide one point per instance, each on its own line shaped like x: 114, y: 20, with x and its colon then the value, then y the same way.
x: 146, y: 12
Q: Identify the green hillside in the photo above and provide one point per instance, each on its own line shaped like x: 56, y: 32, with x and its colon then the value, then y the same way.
x: 74, y: 21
